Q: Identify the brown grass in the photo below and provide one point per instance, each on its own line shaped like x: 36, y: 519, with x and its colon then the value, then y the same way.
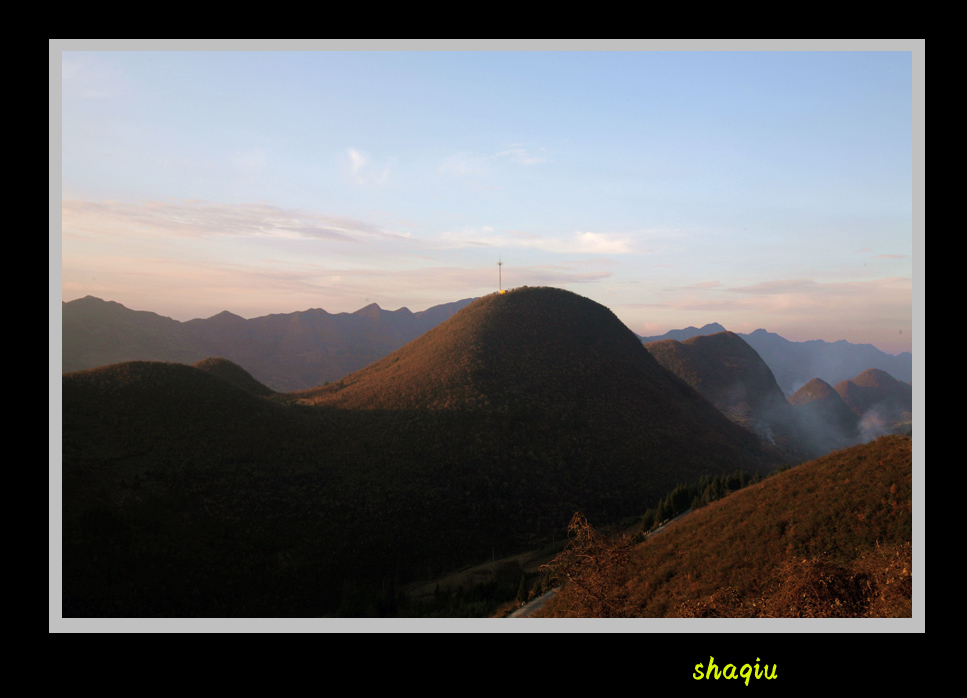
x: 830, y: 538
x: 593, y: 565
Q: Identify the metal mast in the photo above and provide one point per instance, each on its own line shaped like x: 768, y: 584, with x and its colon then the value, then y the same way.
x: 500, y: 279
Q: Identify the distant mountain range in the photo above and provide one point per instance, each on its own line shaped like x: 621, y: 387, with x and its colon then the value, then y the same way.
x: 796, y: 363
x: 295, y: 351
x: 288, y: 351
x: 817, y: 419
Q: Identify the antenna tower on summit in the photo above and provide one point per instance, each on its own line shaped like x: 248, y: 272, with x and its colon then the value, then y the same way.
x: 500, y: 279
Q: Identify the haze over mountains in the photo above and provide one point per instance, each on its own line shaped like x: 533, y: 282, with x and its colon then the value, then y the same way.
x: 796, y: 363
x: 724, y: 369
x: 729, y: 373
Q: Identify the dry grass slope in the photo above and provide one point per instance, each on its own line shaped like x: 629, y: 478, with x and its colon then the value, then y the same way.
x: 830, y: 538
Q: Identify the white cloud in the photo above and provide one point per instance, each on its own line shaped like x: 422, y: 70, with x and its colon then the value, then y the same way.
x: 466, y: 163
x: 363, y: 172
x: 603, y: 243
x: 358, y: 160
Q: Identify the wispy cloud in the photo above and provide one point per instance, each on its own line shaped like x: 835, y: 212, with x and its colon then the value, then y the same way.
x: 799, y: 309
x: 778, y: 287
x: 468, y: 164
x: 575, y: 243
x: 831, y: 291
x: 199, y: 219
x: 362, y: 172
x: 521, y: 156
x: 602, y: 243
x: 358, y: 160
x: 789, y: 299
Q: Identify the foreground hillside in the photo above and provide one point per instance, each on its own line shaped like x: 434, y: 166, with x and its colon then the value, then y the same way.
x: 829, y: 538
x: 194, y: 491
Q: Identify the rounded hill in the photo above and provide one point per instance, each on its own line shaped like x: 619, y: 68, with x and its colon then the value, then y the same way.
x: 558, y: 376
x: 824, y: 414
x: 158, y: 404
x: 234, y: 374
x: 733, y: 377
x: 875, y: 388
x: 816, y: 389
x: 531, y: 348
x: 722, y: 367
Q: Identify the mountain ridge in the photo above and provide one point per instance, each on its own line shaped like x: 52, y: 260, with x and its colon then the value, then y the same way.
x: 305, y: 349
x: 796, y: 363
x: 285, y: 351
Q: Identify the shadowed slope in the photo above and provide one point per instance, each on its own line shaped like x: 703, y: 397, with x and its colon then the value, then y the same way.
x: 722, y: 367
x: 555, y: 360
x: 144, y: 405
x: 825, y: 414
x: 732, y: 376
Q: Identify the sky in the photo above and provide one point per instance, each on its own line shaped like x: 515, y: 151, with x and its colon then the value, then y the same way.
x: 731, y: 183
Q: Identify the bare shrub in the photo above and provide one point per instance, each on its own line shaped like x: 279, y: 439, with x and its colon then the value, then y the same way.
x: 817, y: 589
x: 890, y: 571
x: 593, y: 570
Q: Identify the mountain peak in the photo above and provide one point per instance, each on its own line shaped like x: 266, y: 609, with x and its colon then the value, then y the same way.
x: 370, y: 311
x: 712, y: 328
x: 500, y: 347
x: 226, y: 316
x: 687, y: 333
x: 816, y: 389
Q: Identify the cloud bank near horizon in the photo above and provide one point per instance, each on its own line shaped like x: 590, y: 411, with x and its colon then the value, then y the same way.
x: 189, y: 259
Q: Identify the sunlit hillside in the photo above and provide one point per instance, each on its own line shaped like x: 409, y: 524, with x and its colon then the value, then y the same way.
x: 829, y: 538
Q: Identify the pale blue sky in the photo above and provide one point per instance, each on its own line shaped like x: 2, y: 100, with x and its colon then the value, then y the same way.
x: 755, y: 189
